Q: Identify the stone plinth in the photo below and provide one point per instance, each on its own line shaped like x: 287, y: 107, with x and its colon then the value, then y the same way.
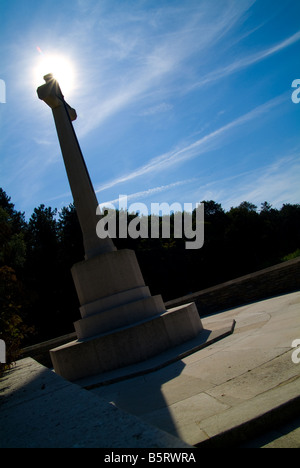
x: 112, y: 293
x: 121, y: 323
x: 127, y: 345
x: 106, y: 275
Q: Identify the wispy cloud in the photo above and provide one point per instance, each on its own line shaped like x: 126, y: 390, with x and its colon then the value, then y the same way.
x: 206, y: 143
x: 276, y: 183
x: 43, y: 142
x: 151, y: 52
x: 150, y: 192
x: 164, y: 61
x: 158, y: 109
x: 246, y: 62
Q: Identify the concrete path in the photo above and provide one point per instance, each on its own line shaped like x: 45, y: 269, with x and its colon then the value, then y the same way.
x: 230, y: 391
x: 225, y: 394
x: 39, y: 409
x: 284, y: 436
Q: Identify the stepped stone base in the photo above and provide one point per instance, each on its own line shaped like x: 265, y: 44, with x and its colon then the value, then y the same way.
x: 121, y: 316
x: 121, y: 322
x: 127, y: 345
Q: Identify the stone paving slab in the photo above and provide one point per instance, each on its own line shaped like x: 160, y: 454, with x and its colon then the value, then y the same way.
x: 245, y: 420
x: 211, y: 334
x: 39, y: 409
x: 230, y: 385
x: 220, y: 395
x: 287, y: 435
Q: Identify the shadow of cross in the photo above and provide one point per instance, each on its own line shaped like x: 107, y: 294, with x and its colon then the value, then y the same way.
x: 167, y: 397
x: 143, y: 396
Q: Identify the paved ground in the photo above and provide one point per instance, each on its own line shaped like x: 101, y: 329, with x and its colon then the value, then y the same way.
x: 39, y: 409
x: 284, y: 436
x: 226, y: 394
x: 230, y: 391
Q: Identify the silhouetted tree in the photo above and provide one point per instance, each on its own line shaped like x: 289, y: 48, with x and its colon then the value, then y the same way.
x: 42, y: 269
x: 39, y: 255
x: 13, y: 297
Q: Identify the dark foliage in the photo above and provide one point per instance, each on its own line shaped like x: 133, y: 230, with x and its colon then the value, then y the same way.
x: 36, y: 257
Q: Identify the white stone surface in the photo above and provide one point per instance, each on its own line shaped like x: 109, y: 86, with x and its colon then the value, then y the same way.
x: 41, y: 410
x: 229, y: 386
x: 127, y: 345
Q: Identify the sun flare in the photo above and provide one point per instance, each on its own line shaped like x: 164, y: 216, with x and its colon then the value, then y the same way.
x: 60, y: 66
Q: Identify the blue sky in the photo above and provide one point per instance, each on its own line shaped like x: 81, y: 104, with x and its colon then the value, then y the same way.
x: 177, y: 100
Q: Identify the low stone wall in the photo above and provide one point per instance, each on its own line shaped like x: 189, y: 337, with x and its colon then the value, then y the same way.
x: 40, y: 351
x: 272, y: 281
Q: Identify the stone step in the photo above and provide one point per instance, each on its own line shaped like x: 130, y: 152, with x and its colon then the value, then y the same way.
x: 127, y: 345
x: 114, y: 300
x: 118, y: 317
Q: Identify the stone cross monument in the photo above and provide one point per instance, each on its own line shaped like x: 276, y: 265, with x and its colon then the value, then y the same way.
x: 81, y: 186
x: 122, y: 323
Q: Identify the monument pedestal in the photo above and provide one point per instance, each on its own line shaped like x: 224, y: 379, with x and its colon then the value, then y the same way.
x: 121, y: 322
x: 112, y: 293
x: 127, y: 345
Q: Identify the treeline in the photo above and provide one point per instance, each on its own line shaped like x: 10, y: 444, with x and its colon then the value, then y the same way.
x: 37, y: 297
